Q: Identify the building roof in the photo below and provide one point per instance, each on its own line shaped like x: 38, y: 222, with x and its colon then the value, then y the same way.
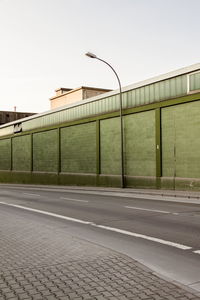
x: 176, y: 73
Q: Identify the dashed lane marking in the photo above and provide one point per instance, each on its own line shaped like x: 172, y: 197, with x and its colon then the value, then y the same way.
x: 71, y: 199
x: 152, y: 210
x: 137, y: 235
x: 196, y: 251
x: 37, y: 195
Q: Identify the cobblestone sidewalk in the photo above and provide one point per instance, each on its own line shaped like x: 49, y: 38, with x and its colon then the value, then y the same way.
x: 38, y: 260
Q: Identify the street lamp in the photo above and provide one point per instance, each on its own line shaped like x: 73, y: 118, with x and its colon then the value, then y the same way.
x: 92, y: 55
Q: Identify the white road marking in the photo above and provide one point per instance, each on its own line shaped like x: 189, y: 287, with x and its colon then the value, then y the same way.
x: 37, y: 195
x: 47, y: 213
x: 150, y: 238
x: 152, y: 210
x: 71, y: 199
x: 197, y: 251
x: 146, y: 237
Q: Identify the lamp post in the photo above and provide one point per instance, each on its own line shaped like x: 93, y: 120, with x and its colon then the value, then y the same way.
x: 92, y: 55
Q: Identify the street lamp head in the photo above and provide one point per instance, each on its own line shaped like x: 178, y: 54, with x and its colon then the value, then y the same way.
x: 91, y: 55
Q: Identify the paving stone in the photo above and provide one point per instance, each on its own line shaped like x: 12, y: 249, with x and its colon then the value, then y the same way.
x: 23, y: 296
x: 37, y: 297
x: 9, y: 295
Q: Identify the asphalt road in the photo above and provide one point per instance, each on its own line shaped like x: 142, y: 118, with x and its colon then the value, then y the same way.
x: 164, y: 235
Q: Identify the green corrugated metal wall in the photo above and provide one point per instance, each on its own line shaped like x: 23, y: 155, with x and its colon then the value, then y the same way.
x: 181, y: 140
x: 21, y: 153
x: 110, y: 146
x: 5, y: 154
x: 140, y: 144
x: 45, y: 151
x: 161, y: 142
x: 78, y: 148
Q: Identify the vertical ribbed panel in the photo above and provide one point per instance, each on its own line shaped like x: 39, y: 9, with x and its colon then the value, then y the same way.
x: 194, y: 81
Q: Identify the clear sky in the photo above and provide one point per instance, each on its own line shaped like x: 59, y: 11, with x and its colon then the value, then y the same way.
x: 43, y: 44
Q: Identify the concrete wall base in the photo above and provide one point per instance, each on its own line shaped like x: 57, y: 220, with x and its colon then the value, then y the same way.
x: 169, y: 183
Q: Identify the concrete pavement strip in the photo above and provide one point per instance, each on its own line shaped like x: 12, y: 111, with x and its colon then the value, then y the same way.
x: 40, y: 260
x: 151, y: 194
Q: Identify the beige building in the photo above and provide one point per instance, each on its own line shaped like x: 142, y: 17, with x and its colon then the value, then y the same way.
x: 68, y: 96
